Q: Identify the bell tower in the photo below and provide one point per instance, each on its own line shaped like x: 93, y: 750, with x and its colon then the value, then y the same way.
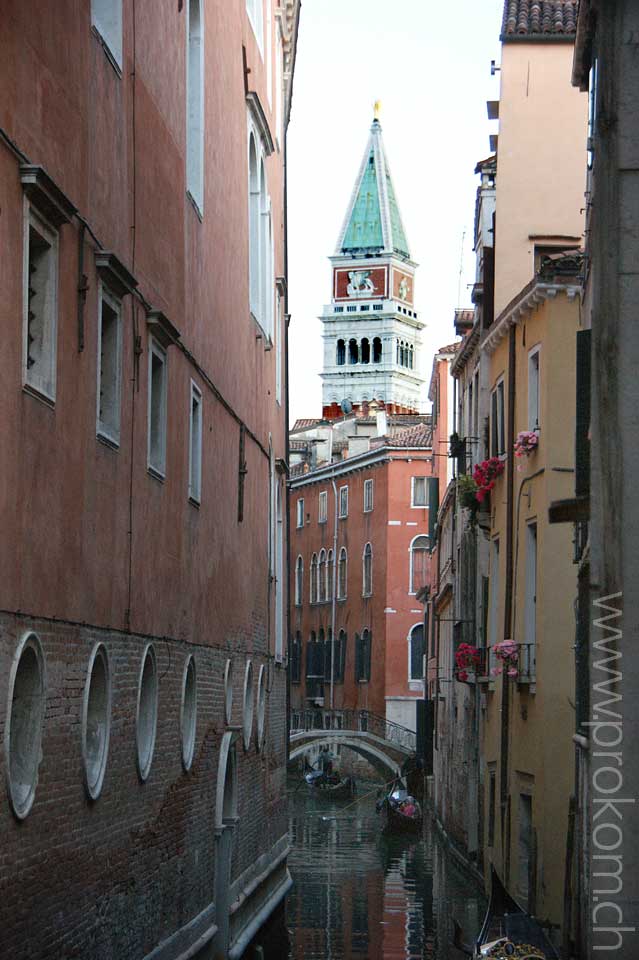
x: 371, y: 329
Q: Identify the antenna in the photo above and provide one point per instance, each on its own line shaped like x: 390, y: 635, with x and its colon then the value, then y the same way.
x: 461, y: 267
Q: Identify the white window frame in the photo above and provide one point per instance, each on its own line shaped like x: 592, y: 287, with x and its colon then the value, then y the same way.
x: 103, y: 430
x: 343, y: 502
x: 255, y: 13
x: 322, y: 507
x: 365, y: 592
x: 411, y: 551
x: 313, y: 578
x: 279, y: 343
x: 299, y: 580
x: 342, y: 596
x: 300, y: 513
x: 418, y: 506
x: 411, y: 678
x: 534, y: 383
x: 157, y: 467
x: 195, y: 444
x: 279, y: 86
x: 43, y: 380
x: 530, y: 597
x: 369, y: 493
x: 261, y: 257
x: 195, y: 106
x: 106, y: 20
x: 498, y: 391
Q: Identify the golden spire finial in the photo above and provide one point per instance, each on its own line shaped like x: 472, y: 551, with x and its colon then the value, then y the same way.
x: 378, y: 109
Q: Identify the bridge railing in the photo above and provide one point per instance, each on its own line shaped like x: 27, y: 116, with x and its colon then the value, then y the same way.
x: 362, y: 721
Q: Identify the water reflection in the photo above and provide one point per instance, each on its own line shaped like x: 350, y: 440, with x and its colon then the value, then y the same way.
x: 357, y: 894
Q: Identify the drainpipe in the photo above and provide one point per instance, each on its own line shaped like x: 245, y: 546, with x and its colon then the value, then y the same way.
x: 334, y: 592
x: 508, y: 599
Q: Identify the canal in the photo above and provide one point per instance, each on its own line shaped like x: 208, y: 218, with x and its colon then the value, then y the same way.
x: 357, y: 894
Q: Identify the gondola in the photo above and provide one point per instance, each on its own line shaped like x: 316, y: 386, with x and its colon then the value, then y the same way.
x: 400, y: 811
x: 507, y: 931
x: 329, y: 783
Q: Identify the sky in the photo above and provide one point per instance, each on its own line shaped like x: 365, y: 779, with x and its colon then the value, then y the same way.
x: 428, y: 62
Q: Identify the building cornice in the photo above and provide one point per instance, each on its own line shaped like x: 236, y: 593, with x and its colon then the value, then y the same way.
x: 524, y: 303
x: 379, y: 456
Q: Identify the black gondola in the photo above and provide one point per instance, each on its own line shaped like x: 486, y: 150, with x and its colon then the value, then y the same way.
x: 327, y: 781
x: 507, y: 931
x: 401, y: 812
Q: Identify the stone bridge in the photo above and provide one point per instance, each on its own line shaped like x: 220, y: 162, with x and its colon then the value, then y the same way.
x: 386, y: 745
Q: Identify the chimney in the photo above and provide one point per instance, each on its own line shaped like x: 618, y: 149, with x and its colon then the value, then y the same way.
x: 382, y: 423
x: 358, y: 445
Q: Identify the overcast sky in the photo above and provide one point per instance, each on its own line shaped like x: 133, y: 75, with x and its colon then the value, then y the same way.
x: 428, y: 61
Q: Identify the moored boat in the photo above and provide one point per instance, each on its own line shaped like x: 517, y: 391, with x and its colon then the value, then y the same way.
x: 324, y: 779
x: 507, y: 931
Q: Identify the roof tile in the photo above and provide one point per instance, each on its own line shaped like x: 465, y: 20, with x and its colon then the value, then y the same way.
x: 539, y: 19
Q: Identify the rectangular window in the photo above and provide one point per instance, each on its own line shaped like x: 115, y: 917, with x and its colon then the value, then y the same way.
x: 494, y: 599
x: 256, y: 16
x: 109, y: 366
x: 40, y: 305
x: 323, y: 508
x: 195, y: 104
x: 343, y: 502
x: 300, y: 513
x: 157, y: 409
x: 279, y: 92
x: 106, y: 18
x: 368, y: 495
x: 195, y: 445
x: 296, y: 661
x: 492, y: 800
x: 525, y: 845
x: 279, y: 342
x: 419, y: 496
x: 497, y: 421
x: 527, y: 666
x: 533, y: 389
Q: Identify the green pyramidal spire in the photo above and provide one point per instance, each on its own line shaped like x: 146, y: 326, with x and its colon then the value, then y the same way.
x: 373, y: 224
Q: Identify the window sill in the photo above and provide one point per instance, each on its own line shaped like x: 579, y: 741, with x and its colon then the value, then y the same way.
x: 194, y: 502
x: 419, y: 506
x: 45, y: 398
x: 366, y: 596
x: 155, y: 473
x: 107, y: 441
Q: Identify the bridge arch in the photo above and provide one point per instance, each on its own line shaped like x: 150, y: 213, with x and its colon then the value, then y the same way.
x: 361, y: 746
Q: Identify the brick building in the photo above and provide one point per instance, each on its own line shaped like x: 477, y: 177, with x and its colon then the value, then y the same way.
x: 359, y: 563
x: 142, y: 288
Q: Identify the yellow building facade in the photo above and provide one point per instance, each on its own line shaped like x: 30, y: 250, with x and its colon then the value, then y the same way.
x: 527, y: 748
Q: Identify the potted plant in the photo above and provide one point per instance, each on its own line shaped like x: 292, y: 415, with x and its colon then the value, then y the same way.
x: 526, y: 443
x: 467, y: 493
x: 508, y: 653
x: 485, y: 476
x: 467, y: 660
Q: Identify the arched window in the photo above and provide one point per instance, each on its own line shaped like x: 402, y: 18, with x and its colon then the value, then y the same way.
x: 419, y: 556
x: 340, y: 655
x: 411, y: 357
x: 366, y: 351
x: 367, y: 571
x: 313, y: 578
x: 328, y: 655
x: 330, y: 573
x: 377, y: 350
x: 416, y: 651
x: 341, y: 353
x: 296, y: 658
x: 265, y: 316
x: 342, y: 571
x: 254, y: 228
x: 397, y: 353
x: 321, y: 577
x: 363, y: 657
x: 299, y: 581
x: 353, y: 351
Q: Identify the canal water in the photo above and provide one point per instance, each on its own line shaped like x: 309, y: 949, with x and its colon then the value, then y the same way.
x: 358, y: 894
